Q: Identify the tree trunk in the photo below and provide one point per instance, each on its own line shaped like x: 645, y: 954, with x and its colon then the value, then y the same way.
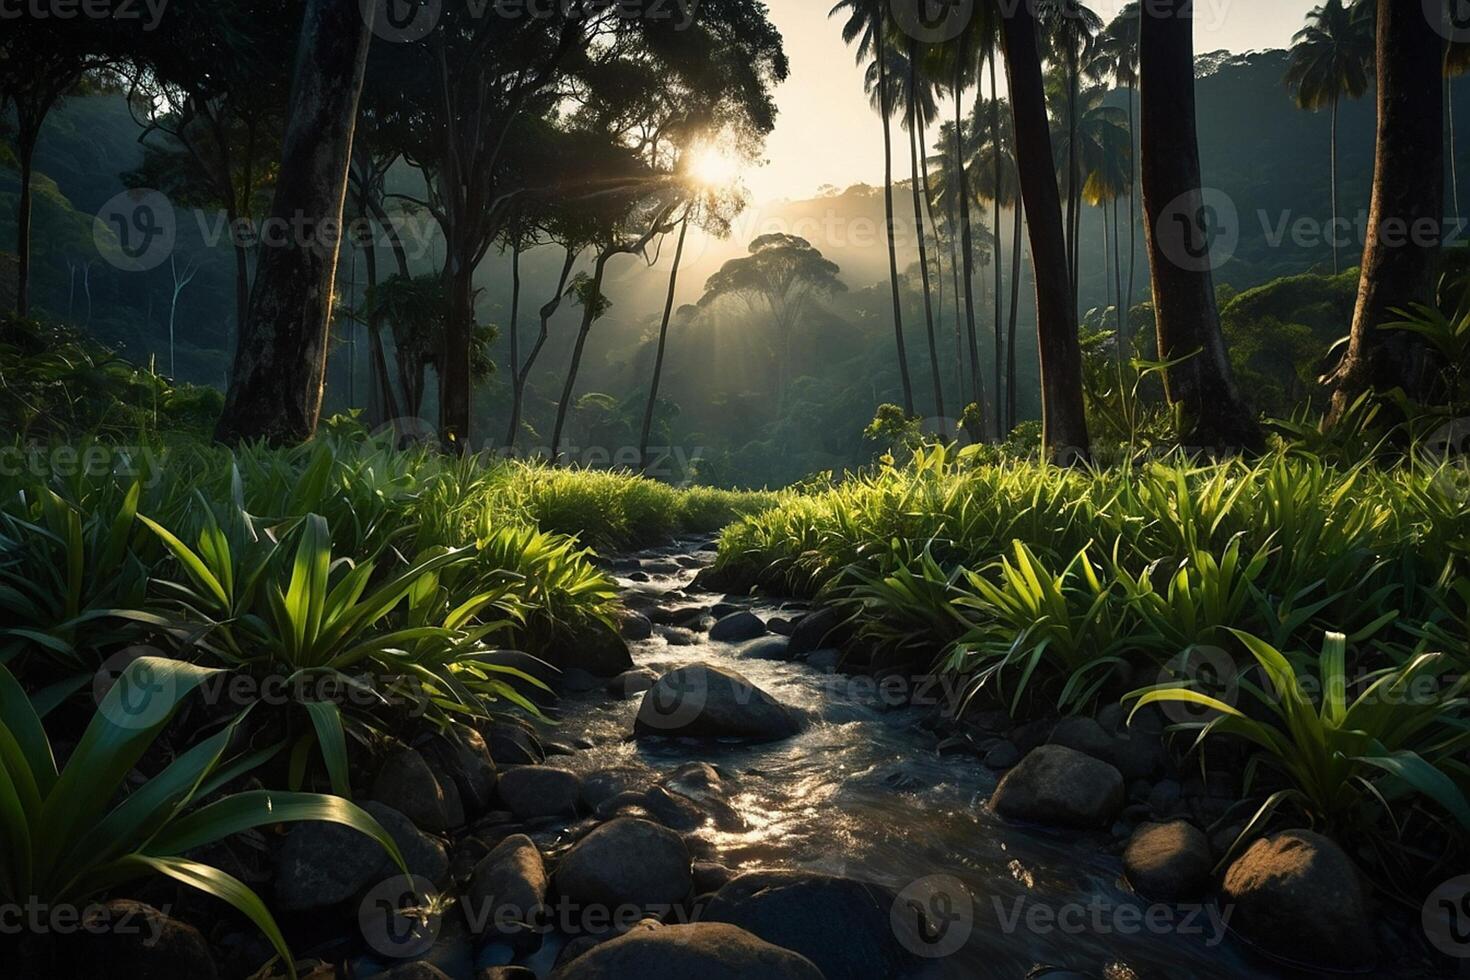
x: 1000, y: 433
x: 382, y: 383
x: 1336, y: 263
x: 903, y: 358
x: 275, y: 390
x: 967, y: 250
x: 658, y: 358
x: 23, y: 228
x: 914, y: 124
x: 1063, y: 413
x: 548, y: 310
x: 589, y: 311
x: 1074, y: 204
x: 1404, y: 221
x: 1215, y: 417
x: 1015, y: 312
x: 515, y: 334
x: 1133, y: 197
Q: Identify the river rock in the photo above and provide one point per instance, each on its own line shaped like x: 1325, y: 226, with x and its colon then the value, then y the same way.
x: 708, y: 702
x: 1062, y: 787
x: 1169, y: 862
x: 1297, y: 895
x: 594, y: 647
x: 530, y: 792
x: 603, y: 784
x: 816, y: 630
x: 674, y: 810
x: 463, y: 756
x: 123, y: 938
x: 706, y: 950
x: 823, y: 660
x: 508, y: 888
x: 513, y: 745
x: 511, y: 972
x: 634, y: 625
x: 842, y: 925
x: 624, y: 862
x: 1002, y: 755
x: 767, y: 648
x: 407, y: 784
x: 321, y: 864
x: 738, y: 626
x: 631, y: 683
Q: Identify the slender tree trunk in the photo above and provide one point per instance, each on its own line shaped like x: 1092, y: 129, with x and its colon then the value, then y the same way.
x: 1000, y: 433
x: 914, y: 124
x: 27, y: 154
x: 1016, y: 257
x: 548, y: 310
x: 1119, y: 309
x: 1133, y: 197
x: 275, y: 390
x: 1336, y: 262
x: 589, y: 312
x: 1063, y: 412
x: 903, y: 358
x: 1399, y: 263
x: 382, y: 383
x: 967, y: 250
x: 1203, y: 384
x: 1074, y: 204
x: 515, y: 332
x: 1449, y: 104
x: 658, y: 358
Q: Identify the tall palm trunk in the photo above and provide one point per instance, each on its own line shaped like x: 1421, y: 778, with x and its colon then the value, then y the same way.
x: 1202, y: 383
x: 967, y: 247
x: 1016, y: 258
x: 1063, y: 412
x: 515, y: 332
x: 658, y: 359
x: 903, y: 358
x: 1074, y: 204
x: 1408, y: 192
x: 913, y: 119
x: 1133, y: 197
x: 276, y: 384
x: 1000, y: 433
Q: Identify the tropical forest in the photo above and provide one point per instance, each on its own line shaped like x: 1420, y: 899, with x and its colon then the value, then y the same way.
x: 735, y: 489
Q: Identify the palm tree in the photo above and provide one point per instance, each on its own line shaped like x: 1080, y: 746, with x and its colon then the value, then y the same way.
x: 868, y: 24
x: 1408, y: 189
x: 1106, y: 156
x: 1456, y: 64
x: 1071, y: 30
x: 1199, y: 379
x: 663, y: 338
x: 1063, y: 411
x: 1118, y: 51
x: 909, y: 89
x: 1330, y: 59
x: 995, y: 155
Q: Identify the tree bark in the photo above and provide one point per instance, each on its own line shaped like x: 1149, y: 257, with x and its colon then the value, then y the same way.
x: 1404, y: 221
x: 903, y: 358
x: 1063, y: 412
x: 914, y: 124
x: 1203, y: 384
x: 548, y: 310
x: 967, y: 250
x: 1000, y: 433
x: 1015, y: 314
x: 515, y: 330
x: 658, y: 358
x: 276, y: 385
x: 589, y: 313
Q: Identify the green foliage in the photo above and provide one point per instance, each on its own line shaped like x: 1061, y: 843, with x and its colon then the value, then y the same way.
x: 66, y: 834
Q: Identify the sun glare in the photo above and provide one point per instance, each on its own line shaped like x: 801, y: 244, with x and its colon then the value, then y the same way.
x: 714, y: 167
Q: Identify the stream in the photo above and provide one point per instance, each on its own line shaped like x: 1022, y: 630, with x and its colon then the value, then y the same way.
x: 862, y: 792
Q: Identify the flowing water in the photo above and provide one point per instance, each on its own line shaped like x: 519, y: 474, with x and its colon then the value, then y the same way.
x: 862, y: 792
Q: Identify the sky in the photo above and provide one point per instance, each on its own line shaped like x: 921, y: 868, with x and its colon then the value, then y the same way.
x: 827, y: 134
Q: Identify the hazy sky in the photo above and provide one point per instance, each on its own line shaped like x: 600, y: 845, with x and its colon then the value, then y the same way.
x: 827, y: 134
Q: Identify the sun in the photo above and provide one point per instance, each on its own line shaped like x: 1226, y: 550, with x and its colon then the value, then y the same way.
x: 713, y: 167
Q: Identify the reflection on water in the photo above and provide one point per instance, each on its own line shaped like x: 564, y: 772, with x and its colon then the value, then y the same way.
x: 862, y: 792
